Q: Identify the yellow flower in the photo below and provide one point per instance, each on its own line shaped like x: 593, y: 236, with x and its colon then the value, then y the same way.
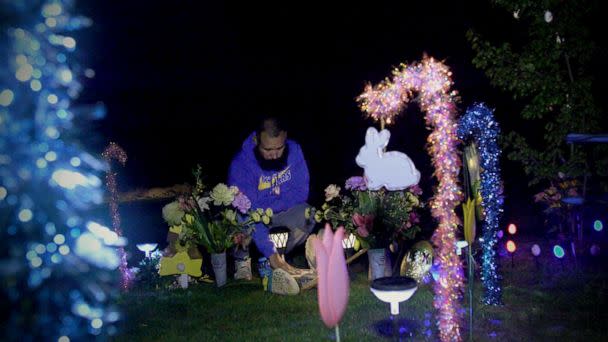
x: 478, y: 199
x: 260, y: 211
x: 357, y: 245
x: 269, y: 212
x: 176, y: 229
x: 255, y: 216
x: 189, y: 218
x: 468, y: 209
x: 172, y: 214
x: 230, y: 215
x: 222, y: 195
x: 413, y: 199
x: 318, y: 216
x: 307, y: 213
x: 266, y: 219
x: 325, y: 206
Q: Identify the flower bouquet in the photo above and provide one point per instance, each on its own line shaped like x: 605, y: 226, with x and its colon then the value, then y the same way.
x: 377, y: 218
x: 217, y: 220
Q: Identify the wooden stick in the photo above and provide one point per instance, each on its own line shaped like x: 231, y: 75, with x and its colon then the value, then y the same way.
x: 153, y: 193
x: 356, y: 255
x: 313, y: 282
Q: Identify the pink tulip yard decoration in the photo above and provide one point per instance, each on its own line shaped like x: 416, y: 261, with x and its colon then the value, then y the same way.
x: 431, y: 80
x: 333, y: 282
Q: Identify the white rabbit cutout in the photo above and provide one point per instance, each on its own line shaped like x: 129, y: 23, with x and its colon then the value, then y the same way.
x: 393, y: 170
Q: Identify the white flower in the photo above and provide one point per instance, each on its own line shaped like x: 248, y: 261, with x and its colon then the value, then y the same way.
x: 559, y: 39
x: 331, y: 192
x: 203, y: 203
x: 516, y: 14
x: 548, y: 16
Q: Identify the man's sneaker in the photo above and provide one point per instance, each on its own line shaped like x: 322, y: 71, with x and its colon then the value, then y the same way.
x: 283, y: 283
x: 309, y: 250
x: 243, y: 269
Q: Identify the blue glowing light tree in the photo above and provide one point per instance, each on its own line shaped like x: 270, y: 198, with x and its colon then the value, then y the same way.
x: 57, y: 263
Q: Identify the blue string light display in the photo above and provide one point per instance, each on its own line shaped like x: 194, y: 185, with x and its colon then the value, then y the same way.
x: 57, y: 263
x: 478, y: 123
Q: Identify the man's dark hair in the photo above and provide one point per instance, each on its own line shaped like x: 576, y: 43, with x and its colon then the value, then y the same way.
x: 272, y: 126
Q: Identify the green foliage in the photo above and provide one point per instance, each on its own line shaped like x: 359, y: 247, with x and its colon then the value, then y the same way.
x: 549, y: 73
x: 147, y: 277
x: 395, y: 212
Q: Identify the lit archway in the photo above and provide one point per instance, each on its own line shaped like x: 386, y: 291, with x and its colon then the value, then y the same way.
x: 431, y: 80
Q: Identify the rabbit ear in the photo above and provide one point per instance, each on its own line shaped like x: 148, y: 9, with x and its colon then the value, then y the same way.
x: 384, y: 136
x: 371, y: 136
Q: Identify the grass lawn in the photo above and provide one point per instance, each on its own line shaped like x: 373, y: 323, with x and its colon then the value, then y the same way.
x: 544, y: 302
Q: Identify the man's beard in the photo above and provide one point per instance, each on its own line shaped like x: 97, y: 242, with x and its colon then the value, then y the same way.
x: 272, y: 164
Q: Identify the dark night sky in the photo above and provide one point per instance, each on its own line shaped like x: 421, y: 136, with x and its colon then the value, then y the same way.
x: 183, y: 83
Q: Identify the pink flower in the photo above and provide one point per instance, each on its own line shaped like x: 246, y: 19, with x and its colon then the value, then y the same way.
x: 572, y: 193
x: 415, y: 189
x: 364, y: 224
x: 186, y: 203
x: 241, y: 202
x: 414, y: 218
x: 333, y: 282
x: 362, y: 232
x: 238, y: 238
x: 356, y: 183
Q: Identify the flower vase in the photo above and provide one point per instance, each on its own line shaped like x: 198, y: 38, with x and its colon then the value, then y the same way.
x: 218, y: 261
x: 379, y: 263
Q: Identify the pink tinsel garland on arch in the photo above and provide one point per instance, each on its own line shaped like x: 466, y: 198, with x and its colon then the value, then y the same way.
x: 432, y: 81
x: 113, y: 151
